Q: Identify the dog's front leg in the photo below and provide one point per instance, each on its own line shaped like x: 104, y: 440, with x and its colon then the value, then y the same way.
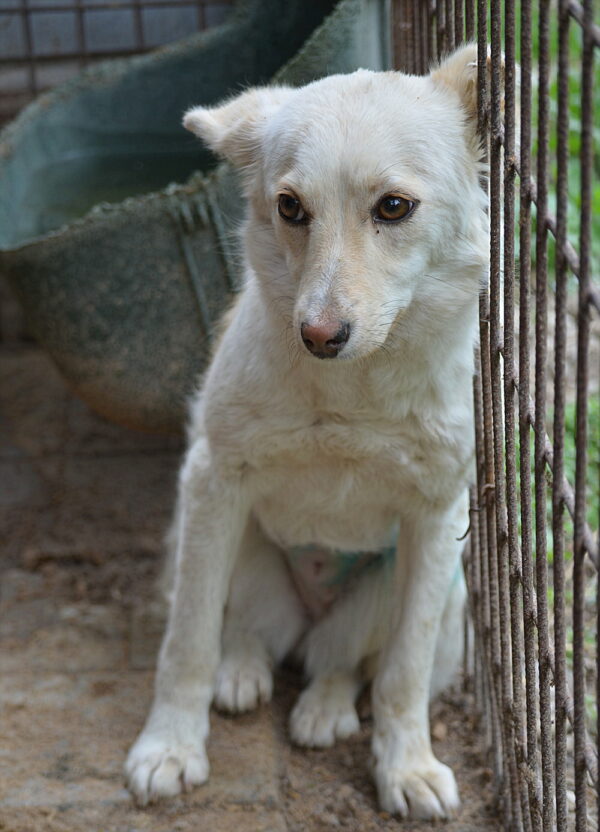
x: 410, y: 780
x: 169, y: 754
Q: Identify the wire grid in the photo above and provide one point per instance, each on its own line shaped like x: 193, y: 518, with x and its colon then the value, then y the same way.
x: 545, y: 754
x: 44, y: 42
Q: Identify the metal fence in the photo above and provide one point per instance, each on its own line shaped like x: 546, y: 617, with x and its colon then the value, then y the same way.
x: 44, y: 42
x: 532, y: 566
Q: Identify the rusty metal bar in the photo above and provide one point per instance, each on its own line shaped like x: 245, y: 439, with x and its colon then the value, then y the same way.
x: 509, y: 769
x: 488, y: 497
x: 470, y: 19
x: 441, y: 43
x: 541, y: 357
x: 402, y: 24
x: 529, y: 601
x: 459, y: 22
x: 431, y: 33
x: 449, y: 24
x: 416, y: 55
x: 583, y: 340
x: 481, y: 570
x: 577, y: 13
x: 560, y: 338
x: 515, y: 589
x: 426, y: 37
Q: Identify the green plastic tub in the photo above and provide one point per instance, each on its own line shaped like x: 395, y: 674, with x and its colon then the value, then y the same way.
x: 121, y: 272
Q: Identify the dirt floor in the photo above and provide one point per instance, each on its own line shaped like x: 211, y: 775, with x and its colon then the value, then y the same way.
x: 83, y: 507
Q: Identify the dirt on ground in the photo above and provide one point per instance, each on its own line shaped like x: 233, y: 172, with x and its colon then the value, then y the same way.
x: 83, y: 508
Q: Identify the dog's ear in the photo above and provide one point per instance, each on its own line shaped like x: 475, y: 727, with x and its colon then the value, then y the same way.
x: 459, y: 73
x: 235, y: 129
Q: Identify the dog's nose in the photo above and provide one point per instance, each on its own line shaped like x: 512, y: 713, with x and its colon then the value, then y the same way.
x: 327, y: 340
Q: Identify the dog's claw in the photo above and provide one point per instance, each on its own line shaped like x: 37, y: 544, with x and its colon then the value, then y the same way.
x: 156, y: 770
x: 426, y: 792
x: 168, y: 757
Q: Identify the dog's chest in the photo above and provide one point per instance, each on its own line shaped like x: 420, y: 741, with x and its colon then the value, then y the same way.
x: 340, y: 484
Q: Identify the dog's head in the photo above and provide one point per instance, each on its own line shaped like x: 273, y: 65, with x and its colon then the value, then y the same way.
x: 366, y: 213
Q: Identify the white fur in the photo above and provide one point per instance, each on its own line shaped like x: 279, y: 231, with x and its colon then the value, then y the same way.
x: 286, y: 449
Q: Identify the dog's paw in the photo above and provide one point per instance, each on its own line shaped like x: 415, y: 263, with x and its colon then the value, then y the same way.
x: 243, y: 682
x: 324, y: 713
x: 168, y: 756
x: 157, y: 768
x: 423, y: 790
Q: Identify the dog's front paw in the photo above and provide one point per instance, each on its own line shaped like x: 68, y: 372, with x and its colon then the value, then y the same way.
x: 158, y: 768
x: 168, y: 757
x: 242, y: 683
x: 423, y: 789
x: 325, y: 712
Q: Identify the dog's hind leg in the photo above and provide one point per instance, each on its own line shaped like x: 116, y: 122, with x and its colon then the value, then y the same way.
x: 263, y: 621
x: 334, y: 652
x: 450, y: 644
x: 325, y: 711
x: 342, y: 651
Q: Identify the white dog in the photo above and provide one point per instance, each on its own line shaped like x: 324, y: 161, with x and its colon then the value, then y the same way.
x: 321, y: 501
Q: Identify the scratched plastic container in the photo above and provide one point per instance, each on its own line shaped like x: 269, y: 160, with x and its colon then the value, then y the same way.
x: 122, y: 273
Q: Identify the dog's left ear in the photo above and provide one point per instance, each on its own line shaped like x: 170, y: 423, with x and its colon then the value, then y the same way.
x: 235, y: 129
x: 459, y: 73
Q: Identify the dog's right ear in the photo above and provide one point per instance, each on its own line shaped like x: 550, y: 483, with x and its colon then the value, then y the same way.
x: 235, y: 129
x: 458, y: 72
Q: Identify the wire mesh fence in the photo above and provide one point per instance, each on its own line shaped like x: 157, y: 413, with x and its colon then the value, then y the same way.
x: 532, y: 566
x: 44, y: 42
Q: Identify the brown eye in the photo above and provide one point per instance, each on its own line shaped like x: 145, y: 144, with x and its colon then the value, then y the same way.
x: 290, y: 208
x: 393, y: 208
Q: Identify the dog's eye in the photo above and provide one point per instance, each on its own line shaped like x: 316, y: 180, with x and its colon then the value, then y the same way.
x: 291, y: 208
x: 393, y: 208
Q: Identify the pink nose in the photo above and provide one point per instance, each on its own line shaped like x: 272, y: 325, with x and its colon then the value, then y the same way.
x: 326, y: 340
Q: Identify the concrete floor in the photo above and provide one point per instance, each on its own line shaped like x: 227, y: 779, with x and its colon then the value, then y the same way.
x: 83, y: 507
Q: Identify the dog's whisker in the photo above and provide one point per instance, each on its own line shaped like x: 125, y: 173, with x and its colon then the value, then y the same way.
x: 452, y: 285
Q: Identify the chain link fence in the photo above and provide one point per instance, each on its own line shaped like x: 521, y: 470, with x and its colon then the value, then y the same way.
x: 532, y: 564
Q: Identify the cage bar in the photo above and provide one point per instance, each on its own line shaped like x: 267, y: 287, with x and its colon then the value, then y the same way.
x: 560, y: 339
